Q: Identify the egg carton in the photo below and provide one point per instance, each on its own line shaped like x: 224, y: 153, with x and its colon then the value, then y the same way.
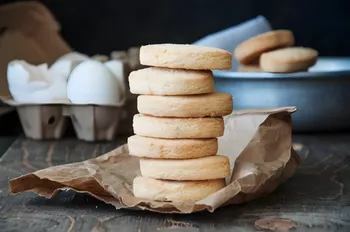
x: 90, y: 122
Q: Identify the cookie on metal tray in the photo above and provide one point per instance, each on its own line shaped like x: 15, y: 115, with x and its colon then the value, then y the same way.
x: 250, y: 50
x: 287, y: 60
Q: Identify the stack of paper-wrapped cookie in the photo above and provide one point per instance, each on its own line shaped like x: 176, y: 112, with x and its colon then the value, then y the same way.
x: 179, y: 122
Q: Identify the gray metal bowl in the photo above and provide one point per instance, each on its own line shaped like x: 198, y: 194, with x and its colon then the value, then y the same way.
x: 320, y: 95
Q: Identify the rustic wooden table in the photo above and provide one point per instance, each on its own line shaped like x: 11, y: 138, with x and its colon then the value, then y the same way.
x: 316, y: 198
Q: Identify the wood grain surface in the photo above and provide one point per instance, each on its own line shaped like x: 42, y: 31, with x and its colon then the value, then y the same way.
x: 316, y: 198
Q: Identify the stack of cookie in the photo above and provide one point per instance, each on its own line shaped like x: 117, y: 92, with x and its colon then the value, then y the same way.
x: 179, y: 122
x: 274, y: 52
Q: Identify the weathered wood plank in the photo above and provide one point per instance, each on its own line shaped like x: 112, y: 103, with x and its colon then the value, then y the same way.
x: 317, y: 198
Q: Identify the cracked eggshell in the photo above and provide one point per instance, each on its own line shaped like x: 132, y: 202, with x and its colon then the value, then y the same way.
x: 117, y: 68
x: 75, y: 56
x: 34, y: 84
x: 92, y: 83
x: 66, y: 63
x: 25, y: 77
x: 101, y: 58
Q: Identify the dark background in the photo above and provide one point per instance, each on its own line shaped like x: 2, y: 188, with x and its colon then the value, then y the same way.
x: 100, y: 26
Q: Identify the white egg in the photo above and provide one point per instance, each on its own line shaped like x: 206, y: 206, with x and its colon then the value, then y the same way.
x: 92, y: 83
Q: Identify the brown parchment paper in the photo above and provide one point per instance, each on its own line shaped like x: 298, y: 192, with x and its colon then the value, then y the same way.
x: 258, y: 143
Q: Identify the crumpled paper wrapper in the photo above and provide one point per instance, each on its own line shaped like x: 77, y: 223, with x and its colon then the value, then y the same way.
x: 258, y: 143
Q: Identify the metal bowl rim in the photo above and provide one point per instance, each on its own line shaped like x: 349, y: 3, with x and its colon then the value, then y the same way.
x: 230, y: 74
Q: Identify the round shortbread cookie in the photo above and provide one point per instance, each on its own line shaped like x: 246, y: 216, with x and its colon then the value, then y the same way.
x: 175, y: 191
x: 204, y: 168
x: 288, y: 60
x: 249, y: 68
x: 171, y: 148
x: 180, y: 128
x: 194, y: 106
x: 250, y: 50
x: 163, y: 81
x: 185, y: 56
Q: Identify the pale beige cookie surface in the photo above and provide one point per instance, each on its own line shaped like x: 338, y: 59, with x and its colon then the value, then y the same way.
x: 163, y: 81
x: 204, y: 168
x: 250, y: 50
x: 249, y: 68
x: 212, y: 105
x: 171, y: 148
x: 288, y: 60
x: 175, y: 191
x: 185, y: 56
x: 186, y: 128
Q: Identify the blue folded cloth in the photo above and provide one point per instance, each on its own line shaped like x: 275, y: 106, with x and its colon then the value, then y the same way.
x: 229, y: 38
